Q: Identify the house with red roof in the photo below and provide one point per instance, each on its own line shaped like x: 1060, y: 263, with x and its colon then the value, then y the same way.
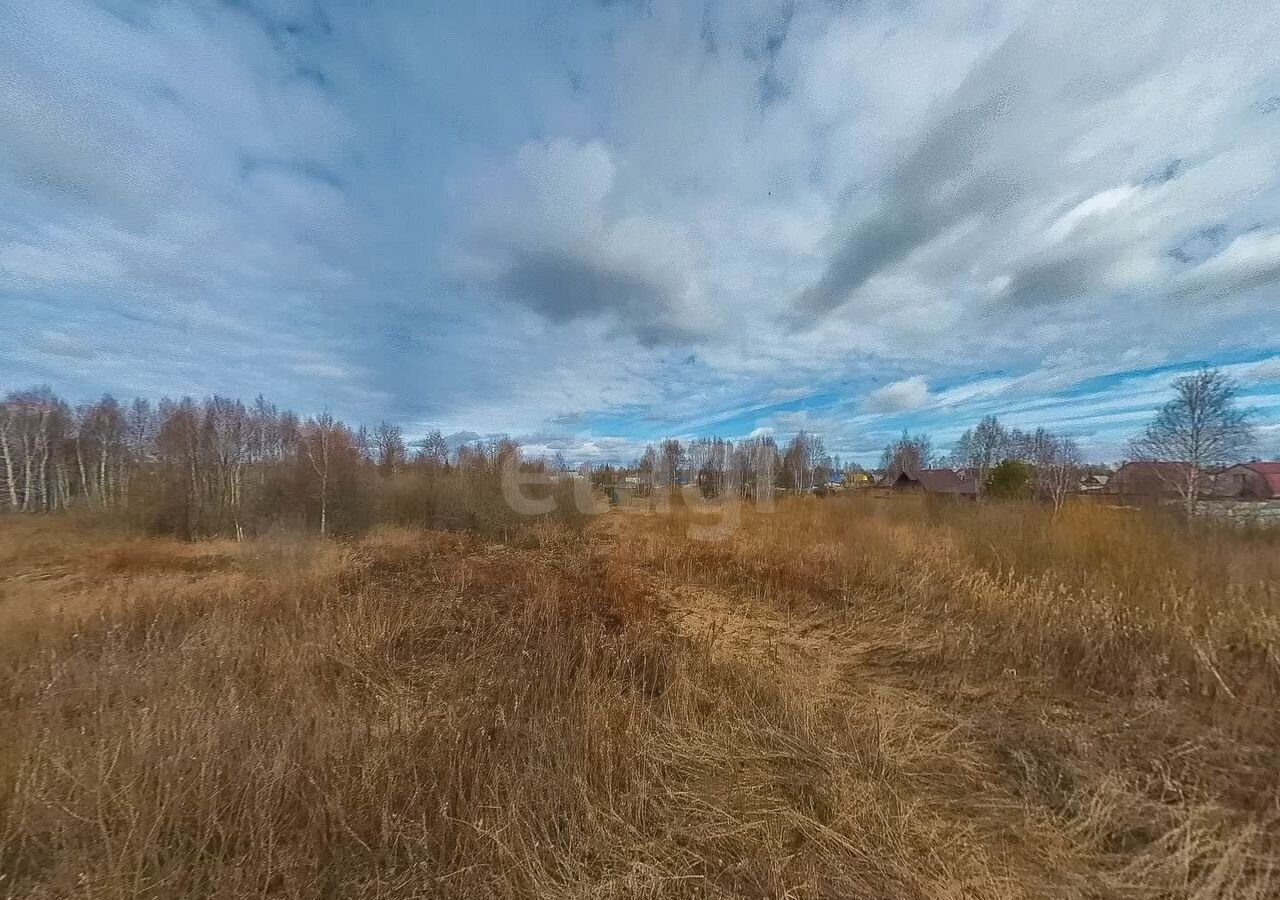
x: 1250, y: 481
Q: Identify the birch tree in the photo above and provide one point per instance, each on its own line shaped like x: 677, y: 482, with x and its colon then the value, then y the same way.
x: 389, y: 450
x: 319, y: 439
x: 432, y: 452
x: 1058, y: 466
x: 909, y: 454
x: 9, y: 453
x: 980, y: 449
x: 1201, y: 428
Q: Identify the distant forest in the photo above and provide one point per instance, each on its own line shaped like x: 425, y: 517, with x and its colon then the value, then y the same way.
x: 223, y: 466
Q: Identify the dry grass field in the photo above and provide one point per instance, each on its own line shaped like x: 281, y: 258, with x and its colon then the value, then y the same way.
x: 845, y: 698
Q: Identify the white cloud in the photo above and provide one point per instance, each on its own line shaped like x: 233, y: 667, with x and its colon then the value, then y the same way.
x: 1098, y: 206
x: 908, y: 394
x: 1251, y: 260
x: 1266, y: 372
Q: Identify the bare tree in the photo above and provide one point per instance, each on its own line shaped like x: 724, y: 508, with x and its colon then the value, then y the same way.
x: 1201, y: 429
x: 800, y: 460
x: 909, y: 454
x: 755, y: 462
x: 698, y: 459
x: 389, y: 450
x: 647, y: 470
x: 433, y: 451
x: 320, y: 437
x: 716, y: 472
x: 8, y: 452
x: 33, y: 435
x: 980, y: 449
x: 671, y: 459
x: 178, y: 449
x: 226, y: 435
x: 113, y: 457
x: 141, y: 427
x: 1058, y: 467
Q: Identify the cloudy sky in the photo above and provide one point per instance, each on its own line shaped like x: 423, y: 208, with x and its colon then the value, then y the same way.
x: 592, y: 224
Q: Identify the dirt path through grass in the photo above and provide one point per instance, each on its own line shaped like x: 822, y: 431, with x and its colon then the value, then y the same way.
x: 1057, y: 790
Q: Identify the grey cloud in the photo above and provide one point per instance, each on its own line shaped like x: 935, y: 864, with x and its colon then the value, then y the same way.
x: 284, y: 20
x: 770, y: 33
x: 871, y: 247
x: 1200, y: 245
x: 770, y: 85
x: 570, y: 418
x: 459, y: 438
x: 57, y: 344
x: 1001, y: 138
x: 550, y: 440
x: 938, y: 185
x: 1248, y: 263
x: 707, y: 32
x: 1167, y: 173
x: 563, y: 287
x: 546, y: 234
x: 583, y: 448
x: 1044, y: 281
x: 254, y: 166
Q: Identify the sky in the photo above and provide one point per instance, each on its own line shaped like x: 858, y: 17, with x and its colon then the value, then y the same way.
x: 589, y: 225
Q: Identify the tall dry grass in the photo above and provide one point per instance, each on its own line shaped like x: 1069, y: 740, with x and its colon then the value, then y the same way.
x: 1103, y: 598
x: 1121, y: 668
x: 421, y: 714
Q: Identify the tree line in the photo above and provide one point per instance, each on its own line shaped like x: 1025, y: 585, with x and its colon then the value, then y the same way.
x: 221, y: 466
x: 1200, y: 429
x: 750, y: 468
x: 1038, y: 463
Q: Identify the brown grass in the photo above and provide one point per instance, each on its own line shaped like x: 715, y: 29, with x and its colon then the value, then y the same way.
x: 844, y: 699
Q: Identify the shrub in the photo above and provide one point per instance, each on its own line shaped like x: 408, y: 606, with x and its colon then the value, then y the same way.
x: 1010, y: 480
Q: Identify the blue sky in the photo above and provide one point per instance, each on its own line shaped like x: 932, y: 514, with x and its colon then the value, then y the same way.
x: 592, y: 224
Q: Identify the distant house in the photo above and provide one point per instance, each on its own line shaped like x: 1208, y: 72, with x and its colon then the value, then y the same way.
x: 1162, y: 481
x: 1093, y: 484
x: 1250, y: 481
x: 933, y: 481
x: 1154, y: 480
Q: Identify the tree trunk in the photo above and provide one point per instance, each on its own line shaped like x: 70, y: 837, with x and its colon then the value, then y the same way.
x: 28, y: 483
x: 1193, y: 490
x: 84, y: 478
x: 324, y: 504
x: 10, y: 484
x: 63, y: 481
x: 104, y: 489
x: 43, y: 470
